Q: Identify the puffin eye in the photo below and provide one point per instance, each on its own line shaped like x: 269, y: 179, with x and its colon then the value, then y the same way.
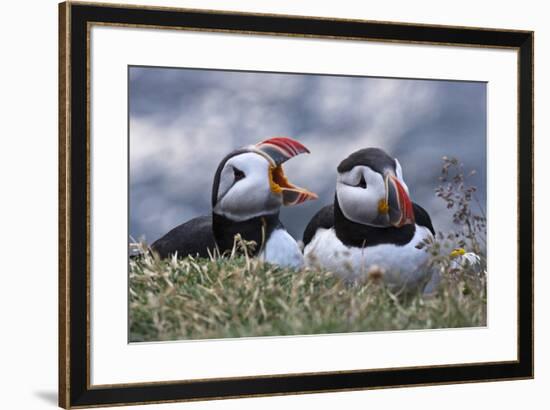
x: 362, y: 183
x: 238, y: 174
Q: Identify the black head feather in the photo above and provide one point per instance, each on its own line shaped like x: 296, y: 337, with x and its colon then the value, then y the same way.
x: 374, y: 158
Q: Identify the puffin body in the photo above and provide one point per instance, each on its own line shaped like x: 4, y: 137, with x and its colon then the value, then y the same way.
x: 392, y: 252
x: 248, y: 190
x: 372, y: 227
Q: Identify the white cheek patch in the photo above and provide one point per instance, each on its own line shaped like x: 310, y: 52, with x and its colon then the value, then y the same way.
x: 356, y: 206
x: 351, y: 177
x: 250, y: 196
x: 360, y: 204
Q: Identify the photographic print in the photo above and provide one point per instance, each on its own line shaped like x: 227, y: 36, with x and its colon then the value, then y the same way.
x: 276, y: 204
x: 260, y: 189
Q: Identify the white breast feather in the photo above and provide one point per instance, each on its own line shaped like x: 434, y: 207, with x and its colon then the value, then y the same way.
x: 402, y: 266
x: 281, y: 249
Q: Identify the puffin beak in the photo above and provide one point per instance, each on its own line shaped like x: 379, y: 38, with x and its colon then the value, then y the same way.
x: 398, y: 204
x: 277, y: 151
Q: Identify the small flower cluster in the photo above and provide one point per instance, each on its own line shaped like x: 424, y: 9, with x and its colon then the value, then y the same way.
x: 458, y: 196
x: 459, y: 256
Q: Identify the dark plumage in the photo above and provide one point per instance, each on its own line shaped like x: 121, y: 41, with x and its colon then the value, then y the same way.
x: 194, y: 237
x: 197, y: 236
x: 358, y: 235
x: 423, y: 218
x: 256, y: 229
x: 324, y: 218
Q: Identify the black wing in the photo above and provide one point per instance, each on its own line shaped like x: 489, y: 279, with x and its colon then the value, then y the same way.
x: 324, y: 218
x: 422, y: 218
x: 191, y: 238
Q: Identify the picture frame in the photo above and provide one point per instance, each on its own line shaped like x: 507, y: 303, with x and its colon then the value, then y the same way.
x: 76, y: 221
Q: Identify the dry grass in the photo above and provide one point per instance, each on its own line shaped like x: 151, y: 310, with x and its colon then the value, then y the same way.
x: 239, y: 297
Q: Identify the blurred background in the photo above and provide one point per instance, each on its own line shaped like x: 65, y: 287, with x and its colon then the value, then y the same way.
x: 184, y: 121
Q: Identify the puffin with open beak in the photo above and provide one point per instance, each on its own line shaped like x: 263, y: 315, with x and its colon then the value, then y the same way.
x: 373, y: 227
x: 249, y: 188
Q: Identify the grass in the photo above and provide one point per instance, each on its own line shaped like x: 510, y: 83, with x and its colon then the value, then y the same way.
x: 176, y: 299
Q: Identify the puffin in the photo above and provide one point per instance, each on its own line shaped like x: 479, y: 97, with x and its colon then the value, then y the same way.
x: 248, y: 191
x: 373, y: 228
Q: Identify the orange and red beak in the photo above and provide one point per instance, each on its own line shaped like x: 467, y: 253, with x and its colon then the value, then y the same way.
x: 278, y: 150
x: 399, y: 204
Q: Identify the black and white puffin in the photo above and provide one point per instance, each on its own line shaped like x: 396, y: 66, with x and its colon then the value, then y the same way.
x: 373, y: 226
x: 248, y: 190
